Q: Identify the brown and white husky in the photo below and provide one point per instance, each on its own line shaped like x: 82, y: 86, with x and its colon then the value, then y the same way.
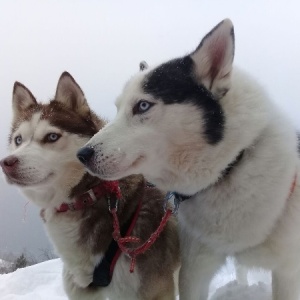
x: 43, y: 142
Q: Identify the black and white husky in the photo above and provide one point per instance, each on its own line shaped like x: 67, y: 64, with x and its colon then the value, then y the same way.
x: 201, y: 128
x: 75, y: 205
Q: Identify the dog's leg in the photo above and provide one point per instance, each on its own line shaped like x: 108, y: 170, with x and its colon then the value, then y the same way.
x: 285, y: 287
x: 196, y: 273
x: 82, y: 279
x: 167, y: 294
x: 74, y: 292
x: 164, y: 288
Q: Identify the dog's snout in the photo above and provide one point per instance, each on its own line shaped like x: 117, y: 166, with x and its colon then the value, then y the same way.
x: 85, y: 154
x: 9, y: 162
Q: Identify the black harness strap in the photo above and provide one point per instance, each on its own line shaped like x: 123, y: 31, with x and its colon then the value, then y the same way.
x: 102, y: 275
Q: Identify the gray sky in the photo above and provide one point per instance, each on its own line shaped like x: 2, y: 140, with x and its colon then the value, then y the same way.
x: 101, y: 43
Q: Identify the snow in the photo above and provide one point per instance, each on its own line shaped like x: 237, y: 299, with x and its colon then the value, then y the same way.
x: 44, y: 282
x: 257, y: 285
x: 235, y: 291
x: 39, y: 282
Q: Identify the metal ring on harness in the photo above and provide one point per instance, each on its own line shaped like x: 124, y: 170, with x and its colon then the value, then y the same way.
x: 172, y: 197
x: 110, y: 208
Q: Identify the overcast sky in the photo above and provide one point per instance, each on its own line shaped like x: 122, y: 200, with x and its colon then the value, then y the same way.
x: 101, y: 44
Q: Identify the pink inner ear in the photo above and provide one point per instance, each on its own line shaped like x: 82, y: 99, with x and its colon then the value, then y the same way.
x: 218, y: 49
x: 22, y: 97
x: 213, y: 58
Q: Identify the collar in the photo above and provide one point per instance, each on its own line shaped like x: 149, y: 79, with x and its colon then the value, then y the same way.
x: 88, y: 198
x: 232, y: 165
x: 177, y: 198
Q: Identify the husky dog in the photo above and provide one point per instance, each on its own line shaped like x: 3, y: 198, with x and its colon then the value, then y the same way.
x: 44, y: 140
x: 206, y: 131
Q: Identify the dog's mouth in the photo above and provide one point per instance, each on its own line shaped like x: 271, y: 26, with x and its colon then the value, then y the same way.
x: 136, y: 162
x: 26, y: 182
x: 115, y: 171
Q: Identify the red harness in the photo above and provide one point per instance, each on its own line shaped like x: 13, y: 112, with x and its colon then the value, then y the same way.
x: 90, y: 197
x: 129, y: 231
x: 112, y: 188
x: 134, y: 252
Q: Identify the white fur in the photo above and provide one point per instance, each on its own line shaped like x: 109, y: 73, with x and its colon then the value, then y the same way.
x: 248, y: 215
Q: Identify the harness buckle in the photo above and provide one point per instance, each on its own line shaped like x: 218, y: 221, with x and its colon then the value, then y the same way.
x: 110, y: 208
x: 71, y: 206
x: 92, y: 195
x: 174, y: 199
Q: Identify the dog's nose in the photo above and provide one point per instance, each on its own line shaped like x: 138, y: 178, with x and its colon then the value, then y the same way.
x: 9, y: 163
x: 85, y: 154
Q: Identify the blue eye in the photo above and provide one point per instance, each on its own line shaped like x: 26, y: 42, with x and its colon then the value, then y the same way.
x: 52, y: 137
x: 18, y: 140
x: 141, y: 107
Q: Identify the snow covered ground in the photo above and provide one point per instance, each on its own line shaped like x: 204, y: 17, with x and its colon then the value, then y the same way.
x: 43, y: 282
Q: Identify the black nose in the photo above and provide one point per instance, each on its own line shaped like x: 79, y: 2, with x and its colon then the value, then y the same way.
x: 85, y: 154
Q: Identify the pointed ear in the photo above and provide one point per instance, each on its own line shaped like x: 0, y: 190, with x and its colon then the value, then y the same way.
x: 143, y: 65
x: 213, y: 58
x: 70, y: 94
x: 22, y: 99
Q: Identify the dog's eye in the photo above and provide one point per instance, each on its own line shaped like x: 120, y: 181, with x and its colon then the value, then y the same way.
x: 52, y: 137
x: 141, y: 107
x: 18, y: 140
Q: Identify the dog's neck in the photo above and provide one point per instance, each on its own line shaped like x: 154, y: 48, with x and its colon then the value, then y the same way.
x: 109, y: 190
x: 86, y: 183
x: 223, y: 175
x: 232, y: 165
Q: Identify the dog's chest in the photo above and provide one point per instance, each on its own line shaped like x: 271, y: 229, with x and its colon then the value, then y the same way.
x: 230, y: 222
x: 64, y: 233
x: 124, y: 285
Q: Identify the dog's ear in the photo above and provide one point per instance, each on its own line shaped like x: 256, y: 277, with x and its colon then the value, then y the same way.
x: 213, y: 58
x: 70, y: 94
x: 143, y: 65
x: 22, y: 99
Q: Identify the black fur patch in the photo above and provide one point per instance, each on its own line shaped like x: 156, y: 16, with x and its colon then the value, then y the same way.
x: 173, y: 82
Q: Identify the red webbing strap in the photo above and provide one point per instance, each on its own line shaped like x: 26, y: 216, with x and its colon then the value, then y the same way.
x: 129, y: 231
x: 134, y: 252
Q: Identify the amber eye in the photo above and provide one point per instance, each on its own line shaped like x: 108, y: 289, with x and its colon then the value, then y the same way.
x: 141, y: 107
x: 52, y: 137
x: 18, y: 140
